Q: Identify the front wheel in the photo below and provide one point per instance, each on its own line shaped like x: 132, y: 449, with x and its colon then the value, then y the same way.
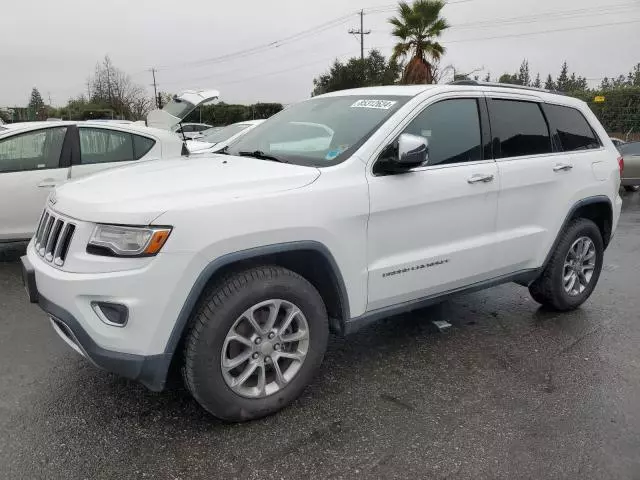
x: 574, y: 268
x: 256, y: 342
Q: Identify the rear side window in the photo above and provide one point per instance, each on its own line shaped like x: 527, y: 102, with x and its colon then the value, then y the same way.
x: 100, y: 145
x: 141, y: 146
x: 36, y: 150
x: 519, y: 127
x: 574, y: 132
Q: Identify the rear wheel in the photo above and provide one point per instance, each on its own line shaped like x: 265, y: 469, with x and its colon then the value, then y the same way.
x: 255, y: 344
x: 574, y: 268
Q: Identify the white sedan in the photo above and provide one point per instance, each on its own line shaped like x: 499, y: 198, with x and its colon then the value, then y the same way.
x: 37, y: 156
x: 219, y: 139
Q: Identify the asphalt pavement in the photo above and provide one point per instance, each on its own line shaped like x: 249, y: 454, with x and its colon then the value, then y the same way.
x: 511, y: 391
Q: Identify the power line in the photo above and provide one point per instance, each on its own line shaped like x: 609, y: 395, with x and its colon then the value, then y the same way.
x: 524, y: 34
x: 362, y: 33
x: 267, y: 46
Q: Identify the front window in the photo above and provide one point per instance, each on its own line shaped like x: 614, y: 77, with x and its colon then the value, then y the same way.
x: 36, y: 150
x: 224, y: 134
x: 319, y: 132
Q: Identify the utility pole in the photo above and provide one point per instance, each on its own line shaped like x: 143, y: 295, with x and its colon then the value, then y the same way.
x: 155, y: 91
x: 362, y: 33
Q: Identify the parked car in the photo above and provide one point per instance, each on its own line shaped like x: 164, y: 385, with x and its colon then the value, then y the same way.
x: 235, y: 267
x: 218, y: 139
x: 37, y: 156
x: 617, y: 142
x: 191, y: 130
x: 631, y: 173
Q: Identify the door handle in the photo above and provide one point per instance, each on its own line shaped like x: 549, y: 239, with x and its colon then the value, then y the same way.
x: 562, y: 167
x: 480, y: 178
x: 47, y: 183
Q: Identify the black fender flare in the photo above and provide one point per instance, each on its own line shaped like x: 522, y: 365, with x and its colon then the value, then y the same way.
x: 214, y: 266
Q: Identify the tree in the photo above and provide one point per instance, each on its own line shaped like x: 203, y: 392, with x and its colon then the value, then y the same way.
x: 36, y: 105
x: 523, y: 75
x: 562, y: 82
x: 537, y: 83
x: 487, y: 78
x: 508, y: 78
x: 549, y: 83
x: 417, y: 27
x: 370, y: 71
x: 113, y: 89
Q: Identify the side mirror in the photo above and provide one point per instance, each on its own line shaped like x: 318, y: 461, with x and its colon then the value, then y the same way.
x: 408, y: 152
x: 412, y: 150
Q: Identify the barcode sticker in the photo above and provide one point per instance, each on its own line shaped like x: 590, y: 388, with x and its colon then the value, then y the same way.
x: 379, y: 104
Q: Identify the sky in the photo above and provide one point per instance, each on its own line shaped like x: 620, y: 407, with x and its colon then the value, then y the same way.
x: 55, y: 46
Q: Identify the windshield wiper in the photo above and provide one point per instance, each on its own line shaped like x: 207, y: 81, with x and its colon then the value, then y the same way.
x: 261, y: 155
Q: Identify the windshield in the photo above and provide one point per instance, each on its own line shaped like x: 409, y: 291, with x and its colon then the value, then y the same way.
x: 319, y: 132
x: 224, y: 133
x: 178, y: 108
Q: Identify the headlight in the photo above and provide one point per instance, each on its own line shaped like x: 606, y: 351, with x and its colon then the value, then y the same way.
x: 118, y: 241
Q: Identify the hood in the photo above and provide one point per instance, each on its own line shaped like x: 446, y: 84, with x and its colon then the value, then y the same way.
x: 180, y: 107
x: 198, y: 146
x: 139, y: 193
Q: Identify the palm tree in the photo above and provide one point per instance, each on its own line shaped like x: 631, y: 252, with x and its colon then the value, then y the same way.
x: 417, y: 26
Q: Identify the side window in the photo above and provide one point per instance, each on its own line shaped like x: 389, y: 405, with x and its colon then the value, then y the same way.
x: 141, y: 146
x: 574, y: 132
x: 100, y: 145
x: 187, y: 128
x: 519, y: 127
x: 36, y: 150
x: 452, y: 129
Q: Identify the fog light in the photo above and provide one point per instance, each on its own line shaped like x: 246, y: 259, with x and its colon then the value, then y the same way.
x: 113, y: 314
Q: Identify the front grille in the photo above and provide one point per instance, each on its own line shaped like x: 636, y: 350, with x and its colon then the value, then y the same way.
x: 53, y: 238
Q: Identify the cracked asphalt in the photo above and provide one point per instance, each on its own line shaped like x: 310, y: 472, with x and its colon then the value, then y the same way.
x: 510, y: 391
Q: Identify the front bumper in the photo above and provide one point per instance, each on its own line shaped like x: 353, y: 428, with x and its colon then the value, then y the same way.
x: 150, y: 370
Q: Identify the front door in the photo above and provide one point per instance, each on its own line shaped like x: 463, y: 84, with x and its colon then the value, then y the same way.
x: 432, y: 229
x: 31, y: 165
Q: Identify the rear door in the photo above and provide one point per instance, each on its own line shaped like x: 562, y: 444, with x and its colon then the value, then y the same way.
x: 103, y: 148
x: 546, y: 156
x: 31, y: 165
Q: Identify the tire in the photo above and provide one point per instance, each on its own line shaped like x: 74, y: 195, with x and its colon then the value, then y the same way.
x: 226, y: 305
x: 549, y: 289
x: 631, y: 188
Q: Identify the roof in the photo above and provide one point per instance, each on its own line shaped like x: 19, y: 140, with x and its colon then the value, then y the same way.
x: 393, y: 90
x: 414, y: 90
x: 163, y: 135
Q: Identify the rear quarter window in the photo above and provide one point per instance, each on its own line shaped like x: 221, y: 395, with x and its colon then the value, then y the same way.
x: 572, y: 129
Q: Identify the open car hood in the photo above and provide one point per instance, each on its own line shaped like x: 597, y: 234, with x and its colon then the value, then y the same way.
x: 180, y: 107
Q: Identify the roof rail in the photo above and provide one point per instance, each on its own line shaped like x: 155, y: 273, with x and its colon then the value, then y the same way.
x: 503, y: 85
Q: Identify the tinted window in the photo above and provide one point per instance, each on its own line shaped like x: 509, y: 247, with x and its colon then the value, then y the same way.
x: 519, y: 127
x: 452, y: 129
x: 32, y: 151
x: 630, y: 148
x: 573, y: 130
x: 141, y: 146
x: 99, y: 145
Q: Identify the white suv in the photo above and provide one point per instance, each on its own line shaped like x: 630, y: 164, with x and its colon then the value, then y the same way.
x: 234, y: 268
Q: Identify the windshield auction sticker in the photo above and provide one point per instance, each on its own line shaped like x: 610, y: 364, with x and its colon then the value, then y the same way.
x: 379, y: 104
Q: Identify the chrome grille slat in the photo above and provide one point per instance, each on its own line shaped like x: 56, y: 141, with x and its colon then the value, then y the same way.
x: 45, y: 219
x: 53, y: 238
